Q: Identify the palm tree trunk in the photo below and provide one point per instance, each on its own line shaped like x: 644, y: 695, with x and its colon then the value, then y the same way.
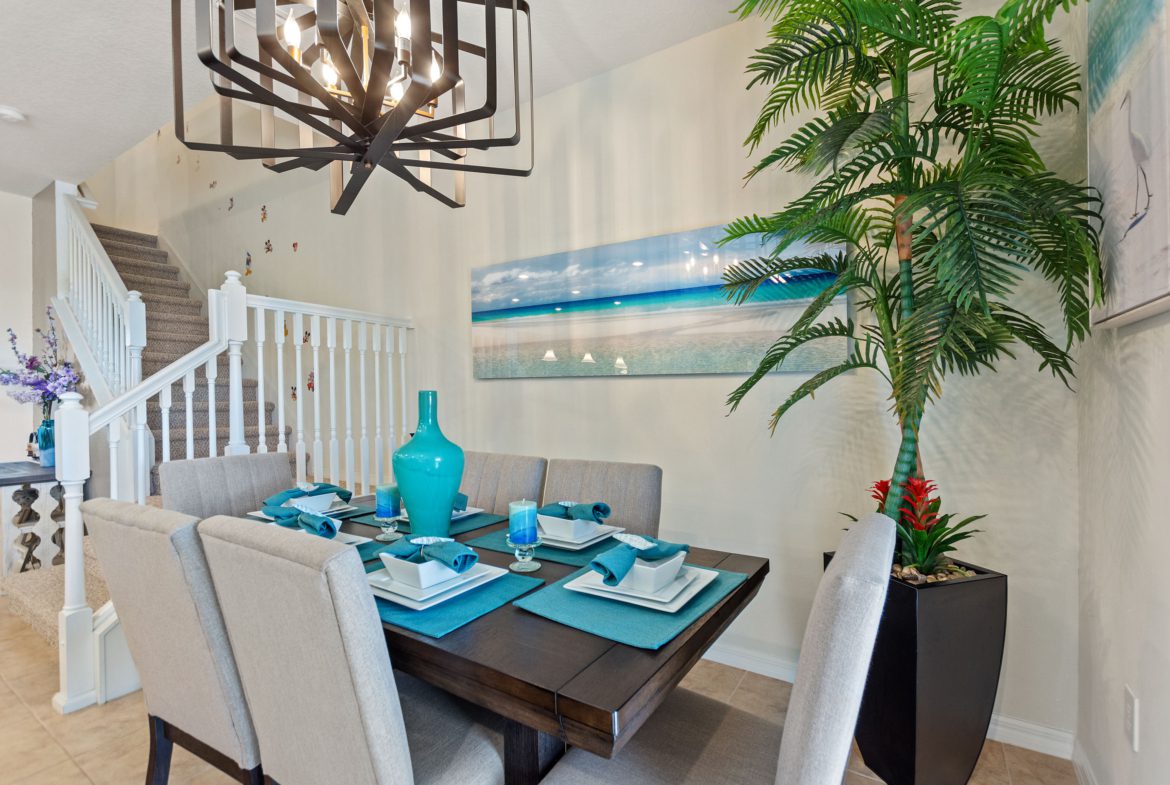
x: 908, y: 460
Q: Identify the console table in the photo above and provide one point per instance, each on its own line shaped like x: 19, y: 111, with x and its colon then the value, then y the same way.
x: 31, y: 517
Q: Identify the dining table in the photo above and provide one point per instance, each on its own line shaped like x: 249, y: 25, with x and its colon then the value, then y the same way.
x: 556, y: 686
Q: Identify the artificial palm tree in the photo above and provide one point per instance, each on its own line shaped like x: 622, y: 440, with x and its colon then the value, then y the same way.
x: 930, y: 185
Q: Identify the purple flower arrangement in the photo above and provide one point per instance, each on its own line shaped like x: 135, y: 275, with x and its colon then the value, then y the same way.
x: 40, y: 379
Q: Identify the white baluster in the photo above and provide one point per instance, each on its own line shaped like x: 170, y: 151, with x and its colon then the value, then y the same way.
x: 135, y: 337
x: 347, y: 346
x: 261, y: 418
x: 212, y: 372
x: 278, y: 335
x: 235, y: 305
x: 379, y: 445
x: 364, y: 444
x: 298, y: 344
x: 164, y: 407
x: 318, y: 445
x: 114, y: 438
x: 142, y: 462
x: 189, y: 412
x: 76, y: 672
x: 391, y: 386
x: 402, y: 379
x: 334, y: 449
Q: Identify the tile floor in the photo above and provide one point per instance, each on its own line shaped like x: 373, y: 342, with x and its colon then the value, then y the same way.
x: 107, y: 745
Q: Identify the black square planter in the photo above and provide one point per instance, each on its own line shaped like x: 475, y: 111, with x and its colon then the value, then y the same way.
x: 933, y: 679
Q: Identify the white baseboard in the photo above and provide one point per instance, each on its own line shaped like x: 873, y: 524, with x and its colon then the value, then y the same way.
x: 1084, y: 769
x: 1009, y: 730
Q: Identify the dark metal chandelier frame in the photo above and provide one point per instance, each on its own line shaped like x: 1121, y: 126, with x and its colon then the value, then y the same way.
x: 387, y: 94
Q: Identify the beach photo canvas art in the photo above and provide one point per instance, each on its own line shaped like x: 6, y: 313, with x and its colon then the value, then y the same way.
x: 644, y: 307
x: 1129, y: 163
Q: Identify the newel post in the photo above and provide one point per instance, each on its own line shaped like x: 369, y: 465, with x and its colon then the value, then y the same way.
x: 75, y: 621
x: 235, y: 303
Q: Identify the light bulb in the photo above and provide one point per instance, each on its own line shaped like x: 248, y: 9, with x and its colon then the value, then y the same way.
x: 436, y: 69
x: 402, y: 24
x: 329, y: 75
x: 292, y: 32
x: 397, y: 91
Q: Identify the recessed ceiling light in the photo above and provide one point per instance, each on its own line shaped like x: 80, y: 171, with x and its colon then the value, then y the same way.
x: 637, y: 264
x: 523, y: 276
x: 617, y: 302
x: 10, y: 114
x: 576, y: 291
x: 515, y: 299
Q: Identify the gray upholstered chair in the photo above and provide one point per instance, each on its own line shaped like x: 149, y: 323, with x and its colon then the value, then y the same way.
x: 315, y: 668
x: 159, y: 582
x: 694, y: 740
x: 491, y: 479
x: 225, y: 485
x: 633, y: 490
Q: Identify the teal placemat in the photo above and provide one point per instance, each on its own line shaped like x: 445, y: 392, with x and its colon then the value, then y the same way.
x: 457, y: 527
x: 621, y: 622
x: 496, y: 541
x: 358, y: 510
x: 464, y: 609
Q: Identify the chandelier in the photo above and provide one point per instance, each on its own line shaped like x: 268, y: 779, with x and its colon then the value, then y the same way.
x: 364, y: 84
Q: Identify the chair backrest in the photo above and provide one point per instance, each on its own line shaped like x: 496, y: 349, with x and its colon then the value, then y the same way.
x: 225, y: 485
x: 158, y: 580
x: 492, y: 479
x: 312, y: 657
x: 835, y: 655
x: 633, y: 490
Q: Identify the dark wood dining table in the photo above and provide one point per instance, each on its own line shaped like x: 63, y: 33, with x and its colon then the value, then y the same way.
x: 557, y: 686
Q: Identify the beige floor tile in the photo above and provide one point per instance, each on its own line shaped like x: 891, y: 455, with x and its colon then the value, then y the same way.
x: 764, y: 697
x: 855, y: 778
x: 11, y: 708
x: 119, y: 763
x: 23, y: 651
x: 28, y: 749
x: 36, y: 688
x: 186, y: 769
x: 1034, y: 768
x: 64, y: 773
x: 992, y: 767
x: 99, y: 726
x: 713, y: 679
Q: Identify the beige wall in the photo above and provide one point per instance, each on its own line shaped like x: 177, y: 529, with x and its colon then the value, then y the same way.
x: 650, y: 148
x: 16, y: 311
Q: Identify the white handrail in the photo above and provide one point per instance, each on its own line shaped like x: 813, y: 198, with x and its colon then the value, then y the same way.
x: 324, y: 311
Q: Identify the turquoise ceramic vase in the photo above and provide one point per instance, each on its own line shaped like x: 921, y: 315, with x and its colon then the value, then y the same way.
x: 429, y: 470
x: 47, y: 443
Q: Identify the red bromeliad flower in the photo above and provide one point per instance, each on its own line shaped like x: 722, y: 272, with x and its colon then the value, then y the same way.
x: 879, y: 491
x: 919, y: 509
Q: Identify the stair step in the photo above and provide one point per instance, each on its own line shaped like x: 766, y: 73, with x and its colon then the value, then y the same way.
x: 163, y: 321
x: 148, y: 284
x: 172, y: 344
x: 126, y: 266
x: 199, y: 413
x: 125, y: 236
x: 36, y: 596
x: 132, y: 251
x: 172, y: 306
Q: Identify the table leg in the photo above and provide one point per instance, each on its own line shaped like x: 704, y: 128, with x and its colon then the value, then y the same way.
x: 529, y: 754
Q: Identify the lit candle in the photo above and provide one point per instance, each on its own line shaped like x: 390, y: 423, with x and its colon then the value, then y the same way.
x: 387, y: 501
x: 522, y: 522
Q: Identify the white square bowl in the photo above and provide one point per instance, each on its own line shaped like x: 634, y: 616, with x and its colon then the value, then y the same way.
x: 420, y: 576
x: 566, y: 528
x: 653, y: 576
x: 317, y: 505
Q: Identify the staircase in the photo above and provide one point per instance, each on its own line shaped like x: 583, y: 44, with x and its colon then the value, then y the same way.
x: 175, y: 325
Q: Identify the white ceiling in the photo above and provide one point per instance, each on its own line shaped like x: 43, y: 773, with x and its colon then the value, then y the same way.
x: 95, y: 79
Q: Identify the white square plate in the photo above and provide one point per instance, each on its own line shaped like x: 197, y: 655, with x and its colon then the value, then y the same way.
x: 388, y: 589
x: 603, y: 533
x: 665, y: 594
x: 588, y: 583
x: 328, y: 513
x: 455, y: 516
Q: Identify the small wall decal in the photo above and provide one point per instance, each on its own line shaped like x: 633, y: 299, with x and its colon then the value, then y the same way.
x: 286, y: 329
x: 178, y: 160
x: 296, y: 246
x: 267, y: 246
x: 307, y: 337
x: 312, y: 383
x: 231, y: 203
x: 247, y: 263
x: 263, y: 213
x: 294, y: 392
x: 213, y: 183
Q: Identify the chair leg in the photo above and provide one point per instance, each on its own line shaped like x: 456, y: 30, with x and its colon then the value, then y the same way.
x: 253, y: 776
x: 158, y: 767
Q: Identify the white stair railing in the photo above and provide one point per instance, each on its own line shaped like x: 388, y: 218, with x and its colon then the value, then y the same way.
x: 91, y: 646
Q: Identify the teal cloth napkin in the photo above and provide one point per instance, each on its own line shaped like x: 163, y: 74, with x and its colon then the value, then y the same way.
x: 460, y: 502
x: 496, y: 542
x: 617, y: 621
x: 598, y: 511
x: 274, y: 505
x: 616, y: 563
x: 317, y: 524
x: 454, y: 613
x: 455, y: 555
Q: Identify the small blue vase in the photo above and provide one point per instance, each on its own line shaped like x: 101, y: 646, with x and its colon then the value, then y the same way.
x: 47, y: 443
x: 429, y: 470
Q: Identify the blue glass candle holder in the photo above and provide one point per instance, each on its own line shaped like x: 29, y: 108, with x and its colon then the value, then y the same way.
x: 523, y: 536
x: 387, y: 509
